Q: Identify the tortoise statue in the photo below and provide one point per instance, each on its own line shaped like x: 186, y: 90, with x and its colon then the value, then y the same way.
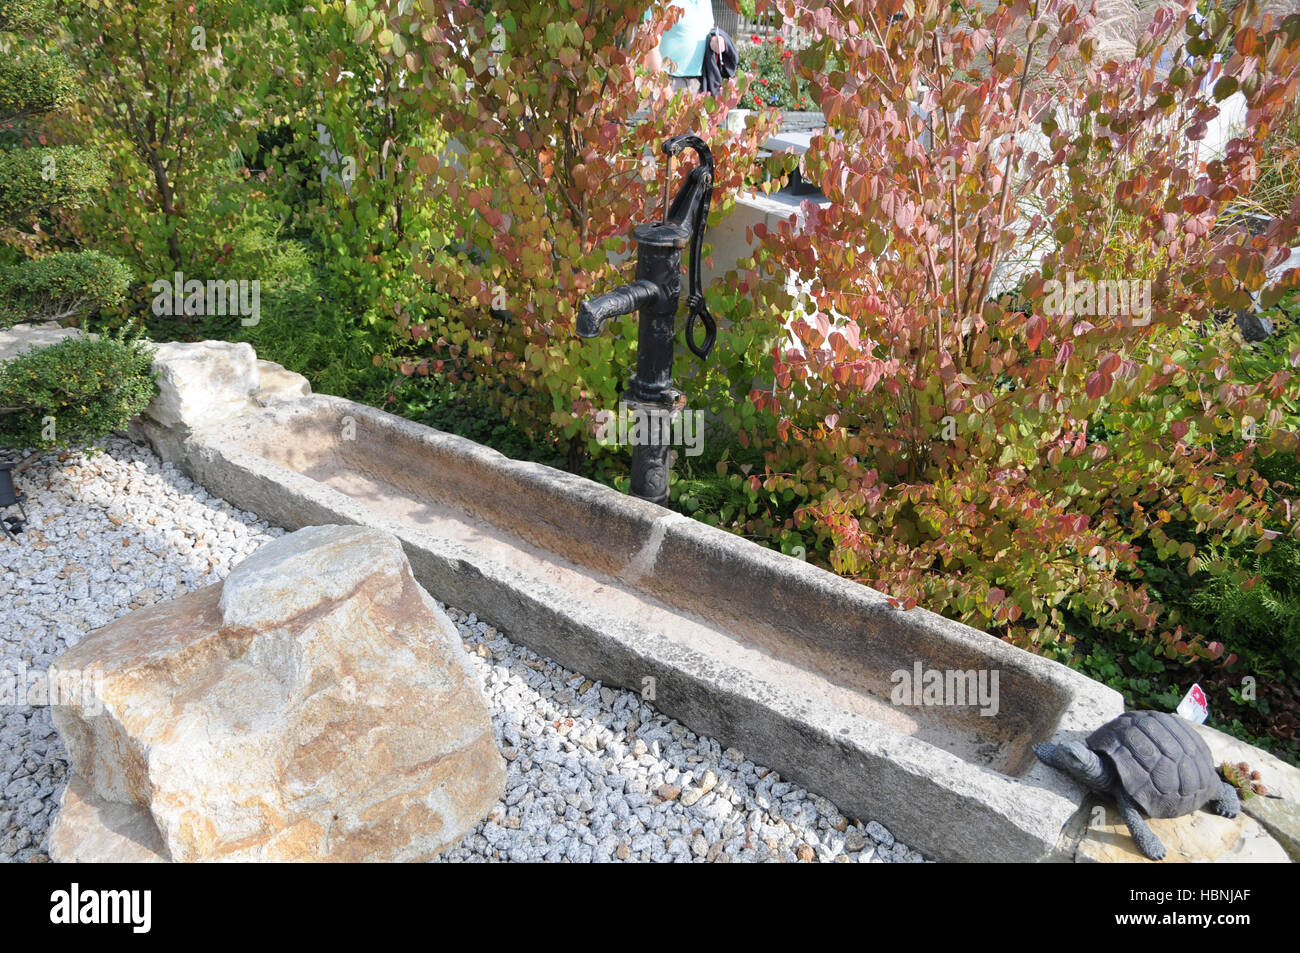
x: 1148, y: 762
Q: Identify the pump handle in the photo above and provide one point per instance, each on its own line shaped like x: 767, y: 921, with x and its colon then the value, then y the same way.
x: 699, y: 187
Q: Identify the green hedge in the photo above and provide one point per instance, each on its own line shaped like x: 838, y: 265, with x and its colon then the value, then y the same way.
x: 86, y: 388
x: 62, y: 286
x: 34, y: 82
x: 26, y: 189
x: 26, y: 16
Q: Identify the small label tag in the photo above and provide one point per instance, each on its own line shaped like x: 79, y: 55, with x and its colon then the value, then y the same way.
x: 1194, y: 707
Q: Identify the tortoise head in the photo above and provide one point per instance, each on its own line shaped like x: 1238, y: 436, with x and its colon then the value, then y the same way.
x: 1075, y: 759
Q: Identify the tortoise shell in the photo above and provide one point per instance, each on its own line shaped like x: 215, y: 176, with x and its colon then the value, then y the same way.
x: 1163, y: 764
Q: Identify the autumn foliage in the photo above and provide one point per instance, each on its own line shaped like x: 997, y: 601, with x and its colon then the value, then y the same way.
x: 556, y: 130
x: 945, y: 437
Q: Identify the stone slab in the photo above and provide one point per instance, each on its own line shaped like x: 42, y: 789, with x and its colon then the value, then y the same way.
x: 1199, y: 837
x: 1280, y: 815
x: 22, y: 338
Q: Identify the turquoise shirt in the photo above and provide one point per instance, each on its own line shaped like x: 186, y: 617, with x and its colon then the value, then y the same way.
x: 684, y: 43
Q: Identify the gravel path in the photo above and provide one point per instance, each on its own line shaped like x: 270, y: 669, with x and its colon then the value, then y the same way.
x: 594, y: 773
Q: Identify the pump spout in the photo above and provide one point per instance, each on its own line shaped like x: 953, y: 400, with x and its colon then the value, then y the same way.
x: 595, y: 312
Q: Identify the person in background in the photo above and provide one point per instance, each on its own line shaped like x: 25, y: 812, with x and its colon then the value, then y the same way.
x: 720, y: 61
x: 681, y: 48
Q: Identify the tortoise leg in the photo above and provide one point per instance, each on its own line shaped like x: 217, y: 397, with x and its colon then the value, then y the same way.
x: 1227, y: 804
x: 1143, y: 836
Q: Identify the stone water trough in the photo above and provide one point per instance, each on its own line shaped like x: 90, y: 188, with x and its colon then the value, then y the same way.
x: 791, y: 663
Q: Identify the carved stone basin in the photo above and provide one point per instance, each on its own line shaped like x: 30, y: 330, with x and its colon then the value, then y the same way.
x: 799, y: 668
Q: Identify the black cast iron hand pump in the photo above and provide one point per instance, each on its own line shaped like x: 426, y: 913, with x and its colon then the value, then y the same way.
x: 656, y: 293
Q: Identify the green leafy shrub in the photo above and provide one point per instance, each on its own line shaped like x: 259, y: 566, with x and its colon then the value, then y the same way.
x: 25, y: 16
x: 1247, y: 598
x: 256, y: 249
x: 460, y: 411
x: 61, y: 286
x: 38, y: 182
x: 161, y: 98
x: 34, y: 82
x: 342, y: 167
x: 305, y: 187
x: 1256, y: 598
x: 315, y: 334
x: 710, y: 487
x: 74, y: 392
x: 37, y: 179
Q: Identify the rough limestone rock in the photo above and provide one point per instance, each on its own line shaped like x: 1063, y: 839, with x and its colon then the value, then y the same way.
x: 1280, y: 815
x: 1281, y: 818
x: 1199, y: 837
x: 92, y: 830
x: 316, y: 706
x: 202, y: 381
x: 206, y: 382
x: 276, y: 384
x: 29, y: 337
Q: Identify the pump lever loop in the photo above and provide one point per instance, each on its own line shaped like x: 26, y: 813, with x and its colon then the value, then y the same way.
x: 698, y: 307
x: 691, y: 207
x: 699, y: 310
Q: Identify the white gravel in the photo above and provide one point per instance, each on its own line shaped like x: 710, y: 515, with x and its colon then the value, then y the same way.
x: 595, y: 774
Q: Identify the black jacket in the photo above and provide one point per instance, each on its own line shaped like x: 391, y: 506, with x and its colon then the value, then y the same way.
x: 718, y: 67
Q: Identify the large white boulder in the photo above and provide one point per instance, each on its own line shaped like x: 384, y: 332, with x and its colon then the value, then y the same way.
x: 317, y: 705
x: 206, y: 382
x: 203, y: 381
